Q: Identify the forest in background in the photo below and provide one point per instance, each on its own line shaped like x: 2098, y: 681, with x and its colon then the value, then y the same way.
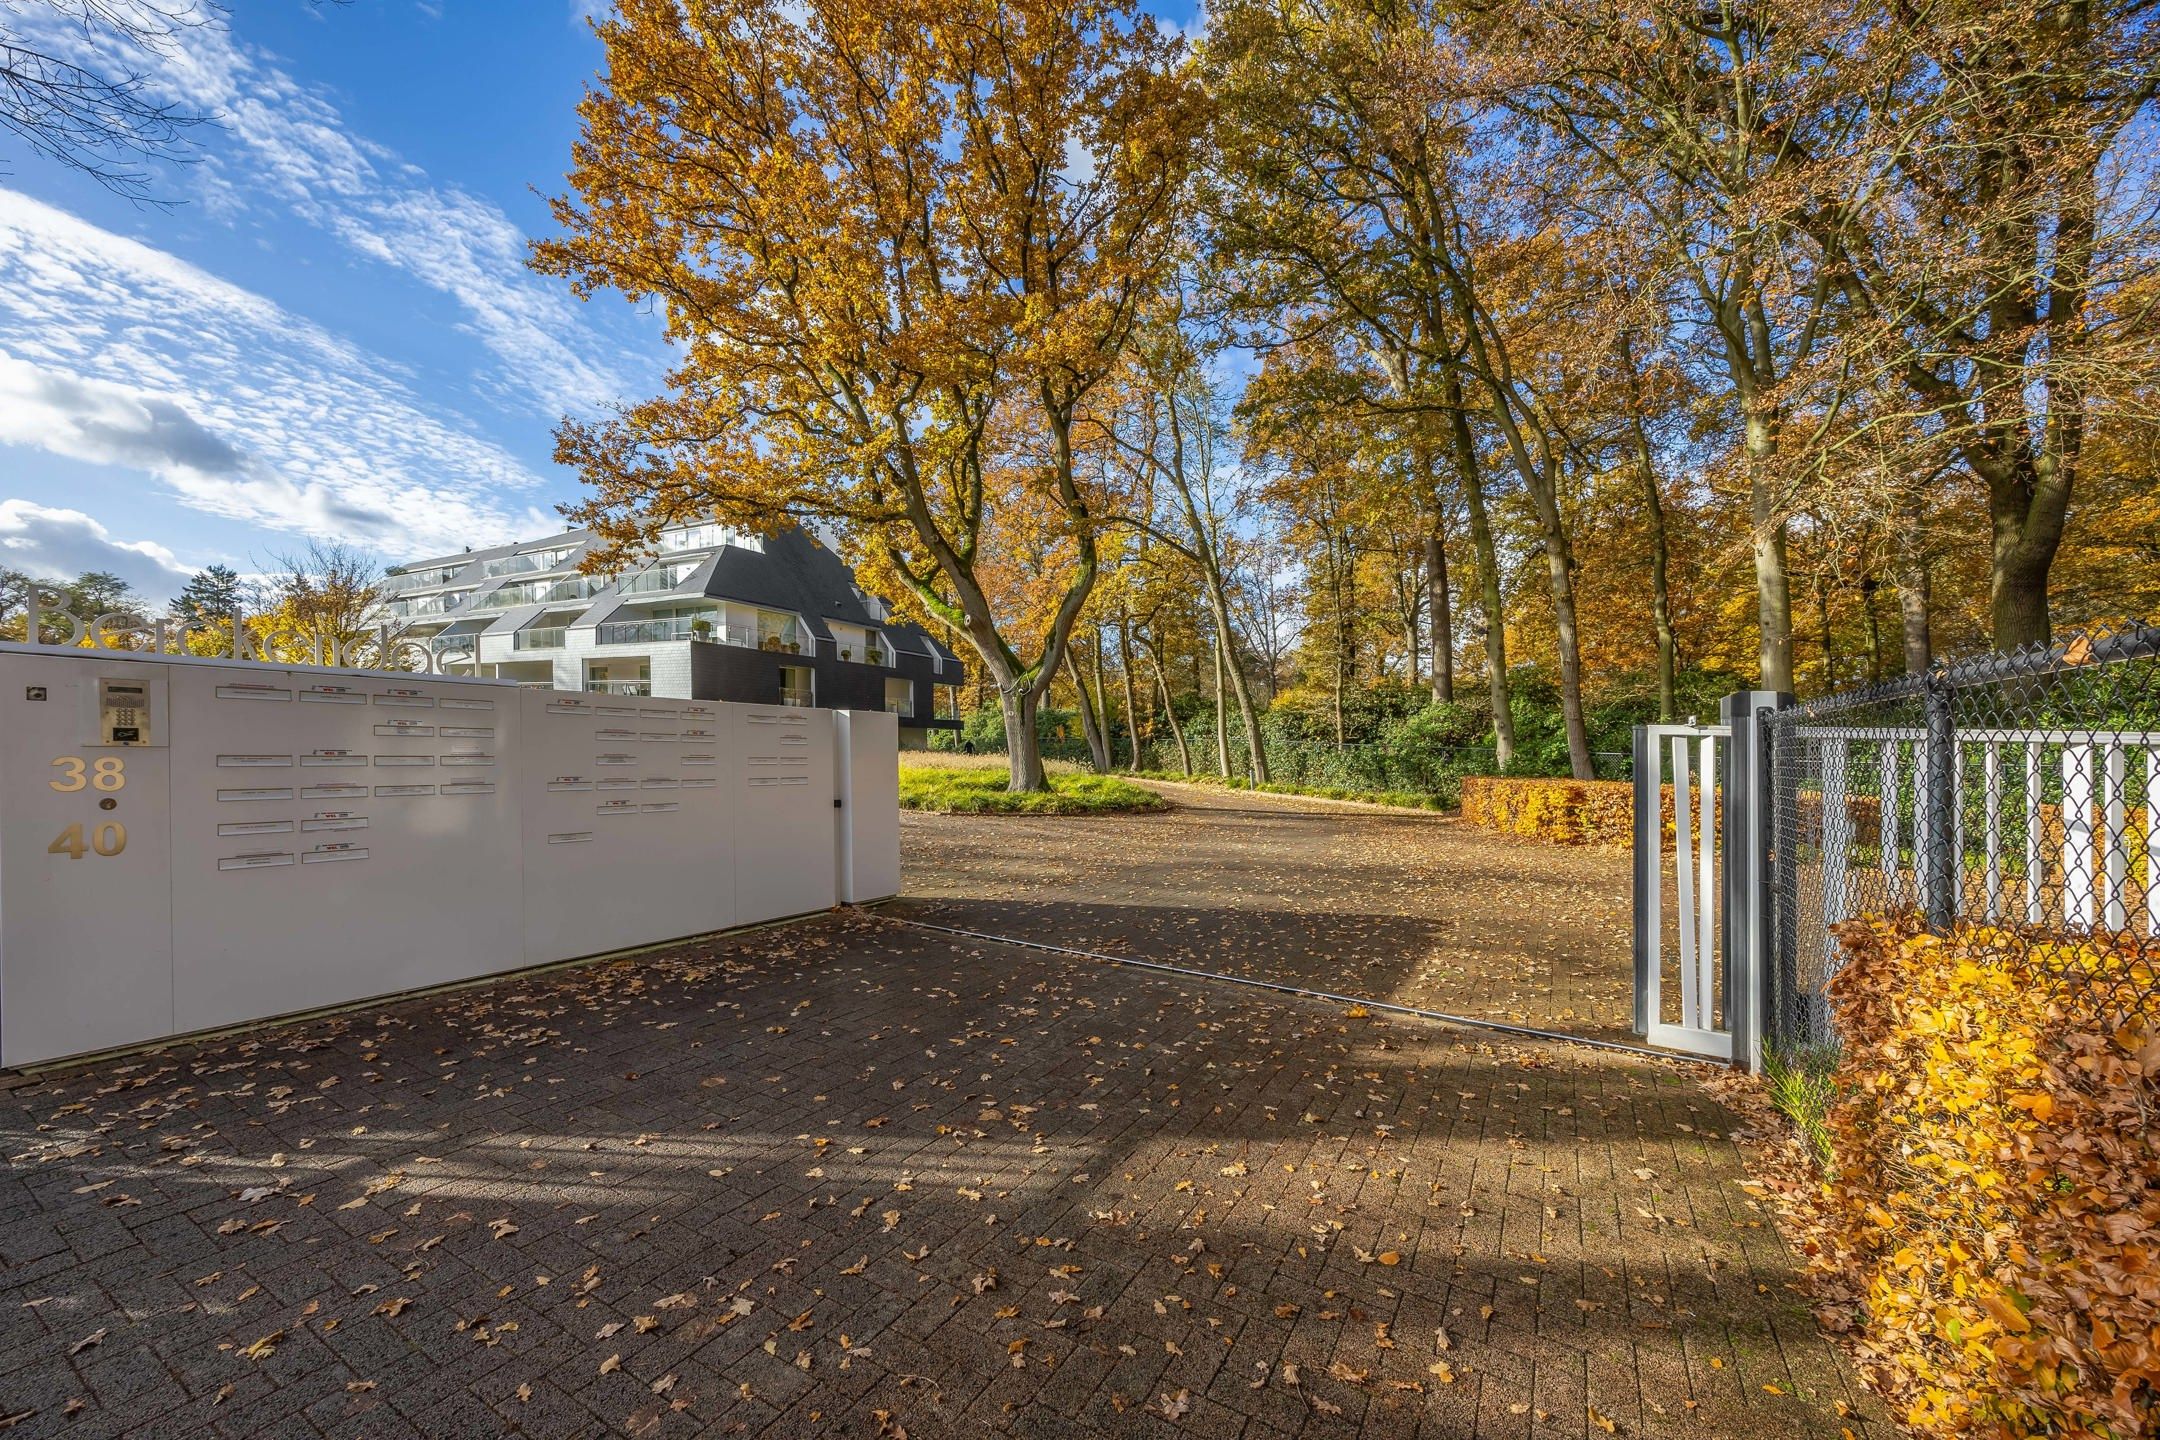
x: 1366, y: 370
x: 1354, y: 380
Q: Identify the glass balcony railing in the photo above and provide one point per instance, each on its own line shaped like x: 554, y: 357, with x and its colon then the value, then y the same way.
x: 541, y: 592
x: 419, y: 579
x: 901, y: 708
x: 877, y: 652
x: 642, y: 632
x: 656, y: 582
x: 524, y: 564
x: 619, y: 687
x: 423, y: 605
x: 540, y: 637
x: 801, y: 699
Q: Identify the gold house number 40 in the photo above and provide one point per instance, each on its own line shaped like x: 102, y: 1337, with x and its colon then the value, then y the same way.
x: 109, y: 838
x: 108, y: 773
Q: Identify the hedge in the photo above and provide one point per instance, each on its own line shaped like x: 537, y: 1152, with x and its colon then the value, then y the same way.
x: 1994, y: 1183
x: 1565, y: 812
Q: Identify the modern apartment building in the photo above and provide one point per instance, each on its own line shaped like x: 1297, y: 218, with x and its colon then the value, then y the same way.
x: 713, y: 615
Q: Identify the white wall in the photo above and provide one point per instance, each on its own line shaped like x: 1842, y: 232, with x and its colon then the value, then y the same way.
x: 295, y: 838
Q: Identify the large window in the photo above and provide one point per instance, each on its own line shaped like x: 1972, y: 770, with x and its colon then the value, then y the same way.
x: 420, y: 606
x: 900, y: 697
x: 778, y: 630
x: 797, y: 685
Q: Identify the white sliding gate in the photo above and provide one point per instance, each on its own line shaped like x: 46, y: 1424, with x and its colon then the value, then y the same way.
x: 191, y: 844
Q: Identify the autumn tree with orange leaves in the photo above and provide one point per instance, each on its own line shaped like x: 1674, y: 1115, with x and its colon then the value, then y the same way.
x: 897, y: 245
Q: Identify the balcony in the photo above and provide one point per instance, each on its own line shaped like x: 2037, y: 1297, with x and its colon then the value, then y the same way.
x: 901, y: 708
x: 801, y: 699
x: 541, y: 592
x: 647, y: 632
x: 422, y: 606
x: 657, y: 582
x: 876, y: 652
x: 619, y: 687
x: 419, y: 579
x: 524, y: 564
x: 540, y: 637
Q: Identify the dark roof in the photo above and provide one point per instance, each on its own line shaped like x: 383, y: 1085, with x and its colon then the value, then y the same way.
x: 796, y: 572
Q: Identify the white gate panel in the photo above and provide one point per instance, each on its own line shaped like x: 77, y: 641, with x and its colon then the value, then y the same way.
x: 629, y: 831
x: 108, y: 914
x: 867, y: 824
x: 1695, y: 756
x: 188, y: 844
x: 783, y: 775
x: 336, y: 837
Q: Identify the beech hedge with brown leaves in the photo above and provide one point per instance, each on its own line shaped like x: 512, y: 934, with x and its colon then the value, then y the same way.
x: 1995, y: 1184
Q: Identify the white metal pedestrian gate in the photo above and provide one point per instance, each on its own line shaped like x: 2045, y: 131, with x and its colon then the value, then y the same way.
x: 1689, y: 757
x: 1711, y: 945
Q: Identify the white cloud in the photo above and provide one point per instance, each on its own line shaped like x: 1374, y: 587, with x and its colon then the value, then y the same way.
x: 117, y: 353
x: 53, y: 544
x: 290, y: 145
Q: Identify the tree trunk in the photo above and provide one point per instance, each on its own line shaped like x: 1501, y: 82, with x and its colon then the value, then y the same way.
x: 1560, y: 565
x: 1169, y: 708
x: 1488, y: 565
x: 1132, y: 699
x: 1406, y: 606
x: 1098, y: 754
x: 1913, y: 606
x: 2027, y: 515
x: 1023, y: 754
x: 1668, y: 648
x: 1104, y: 715
x: 1222, y: 719
x: 1773, y: 589
x: 1257, y: 766
x: 1443, y: 619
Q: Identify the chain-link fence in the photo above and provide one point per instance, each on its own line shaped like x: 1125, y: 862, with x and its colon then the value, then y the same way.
x: 2015, y: 790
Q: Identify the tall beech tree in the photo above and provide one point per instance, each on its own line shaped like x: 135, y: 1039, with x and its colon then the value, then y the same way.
x: 897, y: 245
x: 1708, y: 126
x: 1996, y: 256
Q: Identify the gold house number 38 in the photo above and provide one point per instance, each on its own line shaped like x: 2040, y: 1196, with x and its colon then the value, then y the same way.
x: 108, y: 773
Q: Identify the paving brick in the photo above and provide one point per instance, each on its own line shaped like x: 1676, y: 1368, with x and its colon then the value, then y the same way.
x: 1177, y: 1187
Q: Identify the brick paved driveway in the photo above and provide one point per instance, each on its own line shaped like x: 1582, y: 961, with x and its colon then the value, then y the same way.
x: 1397, y: 905
x: 848, y: 1178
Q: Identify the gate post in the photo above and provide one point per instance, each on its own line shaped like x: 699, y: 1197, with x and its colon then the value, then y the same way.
x: 1649, y: 871
x: 1935, y: 807
x: 1746, y: 813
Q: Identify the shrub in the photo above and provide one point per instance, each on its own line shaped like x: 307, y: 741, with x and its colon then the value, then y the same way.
x: 981, y: 791
x: 1567, y: 812
x: 1559, y: 812
x: 1995, y: 1178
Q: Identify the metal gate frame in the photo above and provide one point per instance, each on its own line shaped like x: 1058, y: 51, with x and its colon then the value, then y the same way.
x: 1722, y: 855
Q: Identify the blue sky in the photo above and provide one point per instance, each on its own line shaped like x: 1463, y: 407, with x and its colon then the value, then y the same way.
x: 331, y: 334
